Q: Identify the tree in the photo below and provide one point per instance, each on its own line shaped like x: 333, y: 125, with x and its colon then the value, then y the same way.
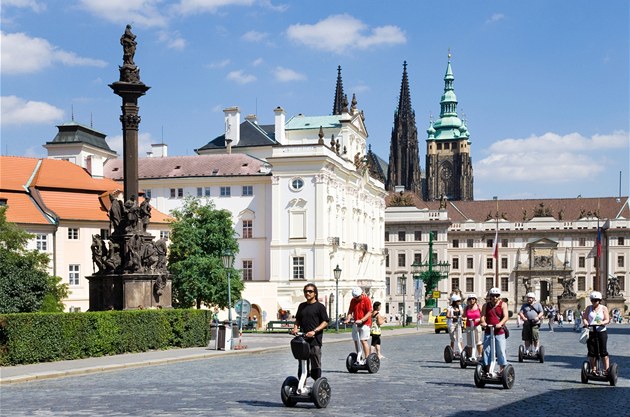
x: 199, y: 235
x: 24, y: 280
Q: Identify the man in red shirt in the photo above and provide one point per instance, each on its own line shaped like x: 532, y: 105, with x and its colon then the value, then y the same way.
x: 361, y: 310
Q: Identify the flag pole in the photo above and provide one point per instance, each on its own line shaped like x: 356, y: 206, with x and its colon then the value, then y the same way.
x: 598, y: 252
x: 495, y: 253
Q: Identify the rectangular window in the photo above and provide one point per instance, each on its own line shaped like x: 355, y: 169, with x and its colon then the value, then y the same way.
x: 620, y: 261
x: 417, y: 258
x: 165, y: 234
x: 581, y: 283
x: 581, y: 262
x: 582, y: 241
x: 470, y: 284
x: 388, y: 286
x: 454, y: 284
x: 622, y: 282
x: 504, y: 243
x: 248, y: 190
x: 226, y: 191
x: 489, y: 263
x: 105, y: 234
x: 401, y: 236
x: 456, y: 243
x: 417, y: 235
x: 469, y: 243
x: 199, y: 191
x: 42, y: 242
x: 402, y: 261
x: 297, y: 225
x: 387, y: 261
x: 298, y: 267
x: 489, y: 243
x: 73, y: 233
x: 620, y: 241
x: 504, y: 263
x: 386, y: 236
x: 504, y: 283
x: 455, y: 263
x: 247, y: 229
x: 173, y: 193
x: 206, y: 191
x: 400, y: 288
x: 147, y: 194
x: 489, y: 283
x: 180, y: 193
x: 469, y: 263
x: 247, y: 270
x: 73, y: 274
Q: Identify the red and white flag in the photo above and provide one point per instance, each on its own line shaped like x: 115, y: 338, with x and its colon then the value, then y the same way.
x: 495, y: 249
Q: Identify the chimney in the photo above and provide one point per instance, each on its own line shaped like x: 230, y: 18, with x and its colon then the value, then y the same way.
x: 232, y: 126
x: 252, y: 118
x: 280, y: 125
x: 158, y: 150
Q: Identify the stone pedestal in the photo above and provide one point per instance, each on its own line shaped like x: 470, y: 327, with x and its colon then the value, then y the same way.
x: 615, y: 303
x: 129, y: 291
x: 567, y: 303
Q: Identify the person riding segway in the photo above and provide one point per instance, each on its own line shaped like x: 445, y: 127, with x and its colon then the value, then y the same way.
x: 361, y: 310
x: 474, y: 343
x: 454, y: 327
x: 532, y: 313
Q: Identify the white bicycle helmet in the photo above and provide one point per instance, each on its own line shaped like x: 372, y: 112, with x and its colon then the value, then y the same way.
x: 494, y: 291
x: 531, y: 295
x: 596, y: 295
x: 356, y: 291
x: 455, y: 297
x: 469, y: 296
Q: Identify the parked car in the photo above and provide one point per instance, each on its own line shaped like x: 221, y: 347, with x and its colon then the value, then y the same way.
x: 440, y: 323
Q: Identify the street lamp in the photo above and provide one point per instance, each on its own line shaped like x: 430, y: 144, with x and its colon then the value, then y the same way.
x: 415, y: 273
x: 228, y: 259
x: 403, y: 281
x: 337, y: 272
x: 431, y: 273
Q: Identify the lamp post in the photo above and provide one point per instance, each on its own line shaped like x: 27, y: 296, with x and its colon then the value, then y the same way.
x: 228, y: 258
x: 403, y: 281
x: 431, y: 273
x: 415, y: 267
x: 337, y: 274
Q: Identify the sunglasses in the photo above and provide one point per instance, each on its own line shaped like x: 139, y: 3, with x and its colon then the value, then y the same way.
x: 494, y: 295
x: 309, y: 291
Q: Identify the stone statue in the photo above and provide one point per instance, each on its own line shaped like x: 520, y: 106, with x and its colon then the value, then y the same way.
x: 131, y: 215
x: 149, y: 256
x: 113, y: 261
x: 567, y: 284
x: 613, y: 289
x: 145, y: 213
x: 160, y: 246
x: 99, y: 252
x: 128, y: 42
x: 115, y: 213
x: 442, y: 202
x: 527, y: 283
x: 133, y: 254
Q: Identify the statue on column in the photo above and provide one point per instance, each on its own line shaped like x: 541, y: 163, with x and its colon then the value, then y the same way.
x: 613, y: 289
x: 128, y: 42
x: 567, y: 284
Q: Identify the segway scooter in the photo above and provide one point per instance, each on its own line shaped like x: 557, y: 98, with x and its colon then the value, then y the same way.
x: 294, y: 389
x: 449, y: 352
x: 587, y: 372
x: 468, y: 356
x: 353, y: 364
x: 531, y: 354
x: 489, y: 374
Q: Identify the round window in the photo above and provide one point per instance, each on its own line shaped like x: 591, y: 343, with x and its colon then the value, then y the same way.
x: 297, y: 184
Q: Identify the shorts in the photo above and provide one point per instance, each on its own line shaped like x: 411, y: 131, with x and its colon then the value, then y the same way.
x: 360, y: 332
x: 530, y: 332
x: 477, y: 335
x: 452, y: 330
x: 376, y: 339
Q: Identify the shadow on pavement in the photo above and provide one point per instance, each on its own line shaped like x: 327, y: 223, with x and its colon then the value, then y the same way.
x: 266, y: 404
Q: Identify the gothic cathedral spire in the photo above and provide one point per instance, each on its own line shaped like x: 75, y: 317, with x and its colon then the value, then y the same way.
x: 404, y: 164
x: 339, y: 96
x: 448, y: 162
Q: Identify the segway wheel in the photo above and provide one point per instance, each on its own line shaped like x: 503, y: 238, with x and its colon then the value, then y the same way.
x: 437, y: 331
x: 321, y: 393
x: 586, y: 369
x: 479, y: 382
x: 612, y: 374
x: 521, y: 353
x: 462, y: 359
x: 508, y: 377
x: 448, y: 354
x: 541, y: 354
x: 373, y: 363
x: 350, y: 360
x: 288, y: 389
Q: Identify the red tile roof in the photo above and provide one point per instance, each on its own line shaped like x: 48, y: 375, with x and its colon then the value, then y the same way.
x: 22, y: 209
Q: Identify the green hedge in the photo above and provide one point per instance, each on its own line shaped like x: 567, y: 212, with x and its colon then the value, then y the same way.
x: 45, y: 337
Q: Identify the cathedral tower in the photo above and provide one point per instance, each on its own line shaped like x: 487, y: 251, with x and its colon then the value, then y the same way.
x: 449, y: 170
x: 404, y: 164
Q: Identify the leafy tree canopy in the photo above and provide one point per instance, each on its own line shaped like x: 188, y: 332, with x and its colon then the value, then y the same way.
x: 199, y: 236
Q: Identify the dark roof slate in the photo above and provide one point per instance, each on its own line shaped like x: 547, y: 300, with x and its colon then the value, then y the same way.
x: 252, y: 134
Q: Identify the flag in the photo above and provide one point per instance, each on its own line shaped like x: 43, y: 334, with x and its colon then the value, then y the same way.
x: 495, y: 250
x: 599, y: 241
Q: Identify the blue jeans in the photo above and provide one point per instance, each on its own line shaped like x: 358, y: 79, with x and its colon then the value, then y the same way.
x: 499, y: 348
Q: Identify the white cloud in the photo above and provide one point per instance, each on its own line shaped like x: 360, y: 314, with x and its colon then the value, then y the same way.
x: 285, y: 74
x: 339, y: 32
x: 34, y: 5
x: 144, y: 144
x: 254, y: 36
x: 495, y: 18
x: 550, y: 157
x: 22, y: 54
x: 240, y: 77
x: 172, y: 40
x: 257, y: 62
x: 187, y: 7
x: 138, y: 12
x: 16, y: 111
x: 219, y: 64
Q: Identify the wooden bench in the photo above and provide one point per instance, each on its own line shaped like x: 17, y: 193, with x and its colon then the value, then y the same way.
x: 280, y: 326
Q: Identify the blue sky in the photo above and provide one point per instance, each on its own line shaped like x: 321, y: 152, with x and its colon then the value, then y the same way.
x: 543, y: 84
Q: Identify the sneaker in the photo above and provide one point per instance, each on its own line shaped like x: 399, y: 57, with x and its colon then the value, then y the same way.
x: 362, y: 362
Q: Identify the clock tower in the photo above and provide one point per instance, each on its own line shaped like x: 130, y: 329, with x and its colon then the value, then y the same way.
x: 448, y: 163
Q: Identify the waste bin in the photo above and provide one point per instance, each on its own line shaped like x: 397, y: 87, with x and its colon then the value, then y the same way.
x: 220, y: 333
x: 408, y: 320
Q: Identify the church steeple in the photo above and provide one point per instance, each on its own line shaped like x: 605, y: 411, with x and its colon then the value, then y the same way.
x: 404, y: 164
x: 339, y: 96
